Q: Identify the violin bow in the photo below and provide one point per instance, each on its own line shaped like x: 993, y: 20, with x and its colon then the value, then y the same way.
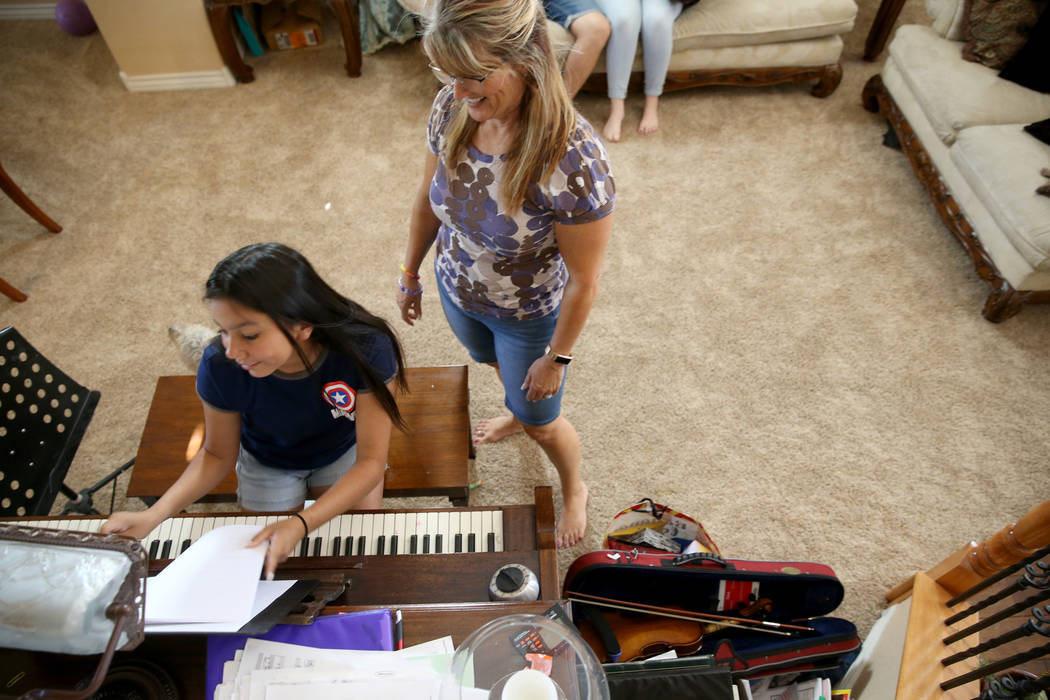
x: 781, y: 628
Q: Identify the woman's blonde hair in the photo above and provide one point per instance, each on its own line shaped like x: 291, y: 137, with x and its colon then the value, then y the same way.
x: 476, y: 37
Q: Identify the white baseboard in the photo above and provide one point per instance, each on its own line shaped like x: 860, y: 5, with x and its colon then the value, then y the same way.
x: 179, y: 81
x: 28, y: 10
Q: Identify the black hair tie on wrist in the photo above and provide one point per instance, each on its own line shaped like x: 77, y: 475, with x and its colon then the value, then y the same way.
x: 303, y: 521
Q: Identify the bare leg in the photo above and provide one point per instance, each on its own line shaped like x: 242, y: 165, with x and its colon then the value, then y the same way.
x: 590, y: 31
x: 650, y: 121
x: 611, y: 132
x: 562, y: 445
x: 495, y: 429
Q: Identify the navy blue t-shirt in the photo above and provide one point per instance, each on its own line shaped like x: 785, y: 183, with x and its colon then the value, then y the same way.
x: 300, y: 421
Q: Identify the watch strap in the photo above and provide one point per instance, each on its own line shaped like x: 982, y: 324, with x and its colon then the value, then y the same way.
x: 560, y: 359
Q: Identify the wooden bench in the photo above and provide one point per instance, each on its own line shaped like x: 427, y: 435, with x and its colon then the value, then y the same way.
x: 431, y: 459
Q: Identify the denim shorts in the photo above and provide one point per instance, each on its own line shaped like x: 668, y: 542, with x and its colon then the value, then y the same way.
x: 514, y: 346
x: 565, y: 12
x: 266, y: 489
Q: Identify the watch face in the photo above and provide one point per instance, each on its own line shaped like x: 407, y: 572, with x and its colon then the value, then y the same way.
x: 562, y: 360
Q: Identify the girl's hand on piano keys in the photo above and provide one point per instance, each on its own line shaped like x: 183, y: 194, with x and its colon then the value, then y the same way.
x: 133, y: 524
x: 283, y: 536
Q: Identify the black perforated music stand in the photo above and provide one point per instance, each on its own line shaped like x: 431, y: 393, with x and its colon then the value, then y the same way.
x: 43, y: 416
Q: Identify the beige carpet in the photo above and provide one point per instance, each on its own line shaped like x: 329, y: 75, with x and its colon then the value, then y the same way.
x: 787, y: 344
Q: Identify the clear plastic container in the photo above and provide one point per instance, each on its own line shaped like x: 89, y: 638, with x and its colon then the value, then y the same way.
x: 505, y: 660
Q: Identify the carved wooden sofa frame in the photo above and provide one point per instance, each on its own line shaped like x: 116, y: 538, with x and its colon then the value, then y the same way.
x: 828, y: 78
x: 1004, y: 301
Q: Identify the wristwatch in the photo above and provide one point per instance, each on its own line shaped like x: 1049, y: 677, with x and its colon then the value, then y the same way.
x: 560, y: 359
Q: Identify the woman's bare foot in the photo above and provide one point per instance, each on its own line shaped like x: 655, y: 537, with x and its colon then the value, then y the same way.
x: 573, y: 521
x: 495, y: 429
x: 650, y: 123
x: 611, y: 132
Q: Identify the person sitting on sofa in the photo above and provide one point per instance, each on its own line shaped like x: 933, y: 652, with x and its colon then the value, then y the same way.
x: 590, y: 30
x: 654, y: 21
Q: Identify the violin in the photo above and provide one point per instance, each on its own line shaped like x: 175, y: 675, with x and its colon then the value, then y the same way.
x: 615, y: 636
x: 641, y: 636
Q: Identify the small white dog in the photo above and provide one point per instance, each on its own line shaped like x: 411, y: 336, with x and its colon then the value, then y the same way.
x: 190, y: 341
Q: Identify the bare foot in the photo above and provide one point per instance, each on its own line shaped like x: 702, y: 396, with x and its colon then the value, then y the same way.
x: 573, y: 522
x: 611, y: 132
x: 495, y: 429
x: 650, y: 123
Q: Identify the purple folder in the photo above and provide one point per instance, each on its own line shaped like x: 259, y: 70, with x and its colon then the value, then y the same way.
x: 368, y: 630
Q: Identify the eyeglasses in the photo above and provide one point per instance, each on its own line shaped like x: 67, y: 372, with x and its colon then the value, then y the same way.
x: 465, y: 83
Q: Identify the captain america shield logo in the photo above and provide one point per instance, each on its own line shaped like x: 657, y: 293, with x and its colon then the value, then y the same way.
x: 340, y: 395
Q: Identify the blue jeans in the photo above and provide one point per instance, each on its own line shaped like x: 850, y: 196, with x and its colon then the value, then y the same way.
x: 514, y: 346
x: 565, y: 12
x: 268, y: 489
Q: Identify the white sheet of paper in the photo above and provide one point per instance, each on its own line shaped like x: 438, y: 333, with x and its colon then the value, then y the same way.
x: 265, y: 594
x: 352, y: 688
x: 213, y: 581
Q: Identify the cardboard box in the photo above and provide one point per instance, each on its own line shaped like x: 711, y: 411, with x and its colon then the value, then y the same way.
x: 292, y: 25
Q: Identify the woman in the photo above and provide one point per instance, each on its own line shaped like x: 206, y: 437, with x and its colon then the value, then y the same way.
x: 295, y: 394
x: 518, y: 195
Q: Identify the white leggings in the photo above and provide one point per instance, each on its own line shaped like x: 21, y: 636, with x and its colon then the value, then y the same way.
x: 654, y: 20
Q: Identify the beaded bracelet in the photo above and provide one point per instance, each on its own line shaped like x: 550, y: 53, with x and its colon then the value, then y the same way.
x: 410, y: 274
x: 409, y: 292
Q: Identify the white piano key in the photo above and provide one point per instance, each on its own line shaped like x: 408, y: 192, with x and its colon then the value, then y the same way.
x: 476, y: 529
x: 497, y: 527
x: 368, y: 527
x: 401, y: 533
x: 433, y: 527
x: 486, y: 528
x: 389, y: 519
x: 325, y: 533
x: 443, y: 529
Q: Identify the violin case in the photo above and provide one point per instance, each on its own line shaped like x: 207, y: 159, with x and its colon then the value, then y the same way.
x: 801, y: 594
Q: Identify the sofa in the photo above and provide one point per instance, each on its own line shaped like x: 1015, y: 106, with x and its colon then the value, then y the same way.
x: 962, y: 127
x: 742, y: 42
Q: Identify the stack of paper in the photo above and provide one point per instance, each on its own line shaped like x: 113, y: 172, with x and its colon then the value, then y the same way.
x: 267, y: 670
x: 213, y: 586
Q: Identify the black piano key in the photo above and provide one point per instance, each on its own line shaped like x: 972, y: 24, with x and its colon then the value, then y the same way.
x: 381, y: 544
x: 154, y: 548
x: 304, y: 546
x: 459, y: 542
x: 165, y: 551
x: 317, y: 546
x: 393, y: 544
x: 336, y: 544
x: 437, y: 544
x: 491, y: 544
x: 426, y: 544
x: 471, y: 543
x: 412, y: 543
x: 185, y: 546
x: 360, y: 545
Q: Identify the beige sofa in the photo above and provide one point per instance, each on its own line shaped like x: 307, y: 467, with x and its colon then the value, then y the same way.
x: 961, y: 126
x: 744, y: 42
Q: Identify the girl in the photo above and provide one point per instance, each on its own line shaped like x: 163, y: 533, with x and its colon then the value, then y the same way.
x: 654, y: 20
x: 295, y: 394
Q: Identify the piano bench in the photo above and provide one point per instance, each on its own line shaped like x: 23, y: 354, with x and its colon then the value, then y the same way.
x: 430, y: 459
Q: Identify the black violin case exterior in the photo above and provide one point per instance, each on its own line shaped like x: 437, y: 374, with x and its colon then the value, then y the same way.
x: 800, y: 594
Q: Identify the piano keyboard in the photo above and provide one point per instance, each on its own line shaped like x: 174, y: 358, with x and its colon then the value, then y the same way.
x: 354, y: 534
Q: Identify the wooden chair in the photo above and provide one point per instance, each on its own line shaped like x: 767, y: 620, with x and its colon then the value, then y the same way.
x: 19, y: 197
x: 430, y: 459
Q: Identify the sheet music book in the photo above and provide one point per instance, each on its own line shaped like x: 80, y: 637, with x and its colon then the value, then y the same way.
x: 370, y: 630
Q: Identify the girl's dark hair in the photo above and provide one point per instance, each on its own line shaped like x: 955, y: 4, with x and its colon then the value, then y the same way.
x: 279, y: 282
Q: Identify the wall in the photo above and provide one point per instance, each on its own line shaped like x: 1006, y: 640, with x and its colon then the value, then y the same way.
x: 154, y: 37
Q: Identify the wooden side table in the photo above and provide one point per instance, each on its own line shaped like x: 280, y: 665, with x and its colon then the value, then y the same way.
x: 431, y: 459
x: 222, y: 28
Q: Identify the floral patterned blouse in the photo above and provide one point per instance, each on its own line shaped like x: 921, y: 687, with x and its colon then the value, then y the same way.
x: 506, y: 264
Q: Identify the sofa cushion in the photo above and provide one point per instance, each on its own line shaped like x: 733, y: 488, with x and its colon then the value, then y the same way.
x: 956, y: 94
x: 1002, y: 164
x: 717, y: 23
